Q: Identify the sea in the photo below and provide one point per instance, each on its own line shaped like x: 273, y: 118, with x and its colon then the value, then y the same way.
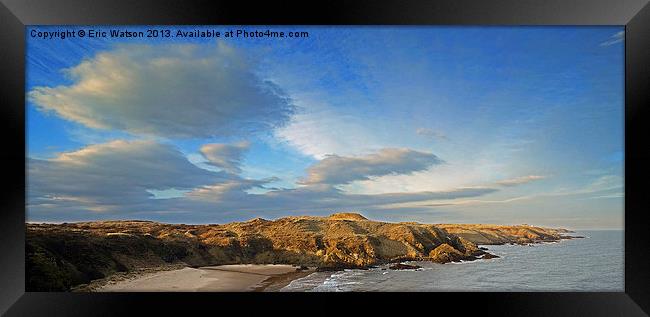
x: 592, y: 264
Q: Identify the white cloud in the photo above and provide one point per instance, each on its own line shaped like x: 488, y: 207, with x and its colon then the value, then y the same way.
x: 616, y: 38
x: 337, y: 170
x: 175, y: 91
x: 225, y: 156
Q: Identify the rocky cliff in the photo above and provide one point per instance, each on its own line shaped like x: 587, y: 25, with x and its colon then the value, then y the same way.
x: 498, y: 234
x: 59, y: 256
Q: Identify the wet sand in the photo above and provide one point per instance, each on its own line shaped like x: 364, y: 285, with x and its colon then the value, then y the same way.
x: 222, y: 278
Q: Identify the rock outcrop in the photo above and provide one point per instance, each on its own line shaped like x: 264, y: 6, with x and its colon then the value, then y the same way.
x: 445, y: 253
x: 401, y: 266
x: 488, y: 256
x: 60, y: 256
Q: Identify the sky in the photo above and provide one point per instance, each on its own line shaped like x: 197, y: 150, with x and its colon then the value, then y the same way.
x: 502, y: 125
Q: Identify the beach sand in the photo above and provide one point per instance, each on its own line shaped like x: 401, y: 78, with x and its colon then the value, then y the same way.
x: 222, y: 278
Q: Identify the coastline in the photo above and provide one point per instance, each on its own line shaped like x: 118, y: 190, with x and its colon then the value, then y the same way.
x: 230, y: 277
x: 544, y: 266
x: 176, y: 253
x: 222, y: 278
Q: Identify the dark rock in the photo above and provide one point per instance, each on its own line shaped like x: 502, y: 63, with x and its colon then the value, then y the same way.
x: 329, y: 269
x: 488, y: 256
x: 400, y: 266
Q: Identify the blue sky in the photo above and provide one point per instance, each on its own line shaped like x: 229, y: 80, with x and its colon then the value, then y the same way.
x: 434, y: 124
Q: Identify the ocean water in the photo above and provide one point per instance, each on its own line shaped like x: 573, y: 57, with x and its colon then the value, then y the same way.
x: 594, y: 263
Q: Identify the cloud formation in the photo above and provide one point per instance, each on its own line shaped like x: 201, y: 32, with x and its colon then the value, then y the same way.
x: 313, y: 198
x: 115, y: 180
x: 225, y: 156
x: 114, y: 174
x: 174, y: 91
x: 339, y: 170
x: 519, y: 180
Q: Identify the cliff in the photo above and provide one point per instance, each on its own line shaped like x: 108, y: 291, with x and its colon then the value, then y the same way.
x: 498, y: 234
x: 60, y: 256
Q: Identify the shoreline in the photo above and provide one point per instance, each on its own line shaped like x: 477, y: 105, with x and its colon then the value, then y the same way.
x: 119, y: 277
x: 276, y: 283
x: 222, y: 278
x: 226, y: 278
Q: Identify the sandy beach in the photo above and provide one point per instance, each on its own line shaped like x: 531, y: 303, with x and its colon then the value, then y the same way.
x: 222, y: 278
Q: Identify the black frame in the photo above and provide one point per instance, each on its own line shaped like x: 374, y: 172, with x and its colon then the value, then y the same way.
x: 634, y: 14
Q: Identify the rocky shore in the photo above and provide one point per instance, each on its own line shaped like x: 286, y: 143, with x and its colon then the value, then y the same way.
x: 60, y: 257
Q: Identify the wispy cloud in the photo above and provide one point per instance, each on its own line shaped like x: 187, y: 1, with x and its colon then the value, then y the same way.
x: 612, y: 196
x: 616, y: 38
x: 598, y: 187
x: 481, y: 201
x: 318, y: 130
x: 519, y: 180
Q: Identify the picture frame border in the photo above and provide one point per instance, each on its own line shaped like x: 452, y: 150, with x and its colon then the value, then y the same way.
x: 15, y: 15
